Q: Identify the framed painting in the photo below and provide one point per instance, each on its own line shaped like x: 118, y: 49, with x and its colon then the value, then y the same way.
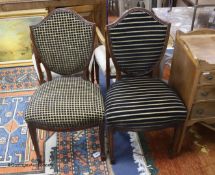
x: 15, y: 42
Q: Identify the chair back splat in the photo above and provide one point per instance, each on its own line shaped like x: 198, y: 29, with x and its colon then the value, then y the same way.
x: 64, y: 41
x: 137, y: 41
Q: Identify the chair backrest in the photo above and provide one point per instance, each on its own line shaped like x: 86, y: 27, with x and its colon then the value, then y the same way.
x: 64, y: 41
x: 137, y: 41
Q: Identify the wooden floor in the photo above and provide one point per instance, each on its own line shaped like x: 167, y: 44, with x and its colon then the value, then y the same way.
x: 197, y: 156
x: 198, y: 153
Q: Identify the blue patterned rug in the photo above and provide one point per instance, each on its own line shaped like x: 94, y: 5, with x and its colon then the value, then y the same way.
x: 18, y: 79
x: 65, y: 153
x: 13, y: 129
x: 16, y: 153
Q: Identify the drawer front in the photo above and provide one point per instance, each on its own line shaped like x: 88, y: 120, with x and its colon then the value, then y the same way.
x: 204, y: 109
x: 205, y: 93
x: 207, y: 77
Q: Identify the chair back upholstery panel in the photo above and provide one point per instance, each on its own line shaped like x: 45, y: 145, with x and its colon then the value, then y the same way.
x: 64, y: 41
x: 137, y: 41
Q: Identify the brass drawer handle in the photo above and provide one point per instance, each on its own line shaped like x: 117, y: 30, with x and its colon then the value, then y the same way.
x: 200, y: 111
x: 204, y: 94
x: 209, y: 77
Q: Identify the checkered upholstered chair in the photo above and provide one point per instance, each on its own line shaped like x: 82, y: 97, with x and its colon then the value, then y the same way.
x: 138, y: 100
x: 64, y: 43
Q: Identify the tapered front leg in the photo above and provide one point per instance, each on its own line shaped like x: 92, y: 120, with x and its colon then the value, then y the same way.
x: 33, y: 134
x: 102, y: 141
x: 111, y: 144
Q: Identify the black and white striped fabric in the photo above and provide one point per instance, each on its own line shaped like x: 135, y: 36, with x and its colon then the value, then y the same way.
x: 64, y: 41
x: 142, y: 102
x: 137, y: 42
x: 66, y: 102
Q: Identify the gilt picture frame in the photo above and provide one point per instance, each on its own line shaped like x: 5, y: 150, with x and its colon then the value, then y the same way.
x: 15, y: 42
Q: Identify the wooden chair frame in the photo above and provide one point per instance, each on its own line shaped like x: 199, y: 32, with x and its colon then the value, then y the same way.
x: 97, y: 37
x: 154, y: 72
x: 31, y: 126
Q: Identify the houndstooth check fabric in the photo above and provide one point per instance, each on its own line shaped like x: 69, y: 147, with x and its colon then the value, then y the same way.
x: 66, y: 102
x: 64, y: 42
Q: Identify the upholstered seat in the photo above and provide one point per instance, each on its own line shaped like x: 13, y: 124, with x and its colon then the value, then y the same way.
x: 65, y: 103
x: 142, y: 102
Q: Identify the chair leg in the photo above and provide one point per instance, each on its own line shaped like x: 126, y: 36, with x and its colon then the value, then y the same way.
x: 178, y: 146
x: 176, y: 135
x: 102, y: 141
x: 33, y: 134
x: 179, y: 134
x: 111, y: 144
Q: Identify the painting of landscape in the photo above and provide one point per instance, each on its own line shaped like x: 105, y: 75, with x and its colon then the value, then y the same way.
x: 15, y: 42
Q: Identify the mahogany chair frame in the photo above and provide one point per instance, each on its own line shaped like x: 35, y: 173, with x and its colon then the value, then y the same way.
x: 154, y: 73
x: 32, y: 128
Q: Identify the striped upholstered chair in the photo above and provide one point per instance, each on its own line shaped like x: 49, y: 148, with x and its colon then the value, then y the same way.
x: 64, y: 43
x: 138, y: 100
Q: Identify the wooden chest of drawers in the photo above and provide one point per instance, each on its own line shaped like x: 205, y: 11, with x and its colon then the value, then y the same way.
x: 193, y: 75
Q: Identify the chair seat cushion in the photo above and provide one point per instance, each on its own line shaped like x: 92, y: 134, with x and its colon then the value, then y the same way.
x: 66, y: 102
x: 142, y: 102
